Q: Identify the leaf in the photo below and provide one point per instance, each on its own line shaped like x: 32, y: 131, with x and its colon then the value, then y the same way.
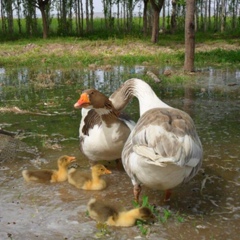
x: 145, y: 201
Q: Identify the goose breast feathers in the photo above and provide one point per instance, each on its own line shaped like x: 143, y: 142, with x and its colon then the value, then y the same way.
x: 103, y: 129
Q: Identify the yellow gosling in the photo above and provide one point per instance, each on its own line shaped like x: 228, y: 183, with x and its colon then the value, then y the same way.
x: 105, y: 213
x: 88, y: 181
x: 50, y: 175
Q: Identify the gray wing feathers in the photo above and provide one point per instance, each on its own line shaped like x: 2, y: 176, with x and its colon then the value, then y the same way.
x: 170, y: 138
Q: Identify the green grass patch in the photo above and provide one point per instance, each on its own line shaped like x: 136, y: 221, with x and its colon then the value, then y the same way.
x: 75, y: 52
x: 162, y: 216
x: 218, y: 56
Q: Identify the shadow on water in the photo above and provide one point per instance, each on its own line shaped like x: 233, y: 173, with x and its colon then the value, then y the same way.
x: 38, y: 105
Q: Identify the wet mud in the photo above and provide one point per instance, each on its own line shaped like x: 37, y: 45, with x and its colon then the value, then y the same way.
x: 208, y: 207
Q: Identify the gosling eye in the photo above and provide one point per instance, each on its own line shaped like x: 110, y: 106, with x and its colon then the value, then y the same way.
x: 91, y: 93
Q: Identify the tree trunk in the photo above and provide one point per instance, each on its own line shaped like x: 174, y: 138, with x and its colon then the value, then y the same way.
x: 155, y: 27
x: 105, y: 11
x: 145, y: 2
x: 189, y: 36
x: 196, y: 15
x: 209, y: 15
x: 87, y: 16
x: 9, y: 17
x: 216, y: 16
x: 173, y: 16
x: 201, y: 15
x: 205, y: 16
x: 42, y: 7
x: 79, y: 17
x: 19, y: 17
x: 2, y: 17
x: 70, y: 17
x: 44, y: 21
x: 223, y: 15
x: 157, y: 6
x: 64, y: 17
x: 164, y: 19
x: 91, y: 15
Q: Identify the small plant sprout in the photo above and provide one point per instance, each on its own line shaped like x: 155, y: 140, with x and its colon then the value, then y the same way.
x: 142, y: 227
x: 179, y: 218
x: 103, y: 230
x: 167, y: 214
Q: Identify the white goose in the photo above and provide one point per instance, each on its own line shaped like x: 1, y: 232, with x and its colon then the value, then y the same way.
x: 103, y: 129
x: 163, y: 150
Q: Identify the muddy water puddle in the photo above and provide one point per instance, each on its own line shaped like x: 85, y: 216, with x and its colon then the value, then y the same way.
x: 208, y: 207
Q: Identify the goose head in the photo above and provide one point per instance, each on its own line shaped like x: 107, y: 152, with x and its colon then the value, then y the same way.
x: 93, y: 99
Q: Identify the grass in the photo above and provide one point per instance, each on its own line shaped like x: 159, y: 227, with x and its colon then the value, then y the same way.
x: 162, y: 217
x: 73, y: 52
x: 103, y: 230
x: 81, y: 53
x: 220, y: 56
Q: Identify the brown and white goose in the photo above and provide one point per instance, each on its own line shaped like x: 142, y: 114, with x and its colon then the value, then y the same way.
x: 103, y: 129
x: 163, y: 150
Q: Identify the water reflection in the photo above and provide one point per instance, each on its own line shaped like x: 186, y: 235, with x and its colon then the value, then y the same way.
x: 98, y: 77
x: 209, y: 204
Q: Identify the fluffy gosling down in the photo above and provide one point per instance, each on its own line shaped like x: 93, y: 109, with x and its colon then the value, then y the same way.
x: 102, y: 212
x: 50, y: 175
x: 88, y: 181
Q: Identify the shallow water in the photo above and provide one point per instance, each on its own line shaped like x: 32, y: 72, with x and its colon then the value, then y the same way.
x: 208, y: 207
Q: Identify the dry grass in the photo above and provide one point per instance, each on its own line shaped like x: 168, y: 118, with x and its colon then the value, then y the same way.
x: 84, y: 52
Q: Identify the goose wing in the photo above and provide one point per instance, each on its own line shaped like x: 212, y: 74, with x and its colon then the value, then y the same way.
x: 167, y: 136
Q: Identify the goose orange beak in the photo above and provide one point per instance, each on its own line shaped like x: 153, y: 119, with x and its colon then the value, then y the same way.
x: 83, y: 101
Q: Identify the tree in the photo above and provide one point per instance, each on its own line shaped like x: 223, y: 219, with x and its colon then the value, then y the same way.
x: 42, y: 5
x: 145, y: 8
x: 174, y: 16
x: 7, y: 16
x: 157, y: 6
x: 189, y: 36
x: 223, y: 15
x: 9, y: 9
x: 79, y: 17
x: 30, y: 10
x: 76, y: 17
x: 18, y: 9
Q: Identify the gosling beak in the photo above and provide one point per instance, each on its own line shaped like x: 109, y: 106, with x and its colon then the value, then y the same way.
x: 71, y: 159
x: 83, y: 101
x: 107, y: 171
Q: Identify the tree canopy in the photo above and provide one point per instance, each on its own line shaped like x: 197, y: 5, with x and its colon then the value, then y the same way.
x: 35, y: 18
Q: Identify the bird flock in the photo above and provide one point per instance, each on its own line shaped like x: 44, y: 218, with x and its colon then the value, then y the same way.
x: 160, y: 151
